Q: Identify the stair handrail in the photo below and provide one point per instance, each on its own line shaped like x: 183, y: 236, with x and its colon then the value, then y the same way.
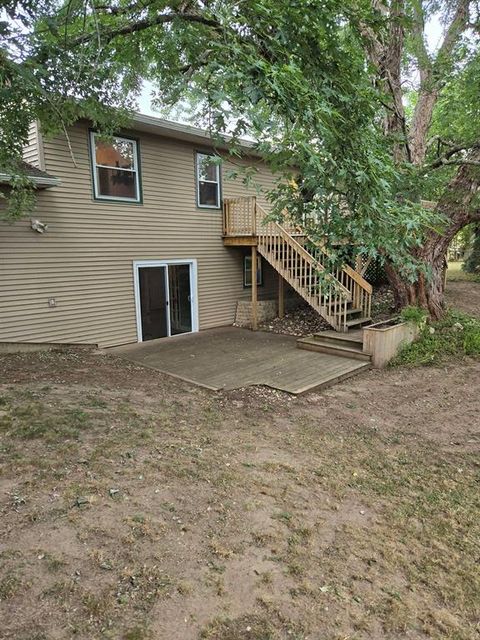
x: 314, y: 262
x: 355, y: 275
x: 360, y: 288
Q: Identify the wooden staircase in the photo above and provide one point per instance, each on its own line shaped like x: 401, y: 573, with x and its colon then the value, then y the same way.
x: 341, y: 297
x: 347, y: 346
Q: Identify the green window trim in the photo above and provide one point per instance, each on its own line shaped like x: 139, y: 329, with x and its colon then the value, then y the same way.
x: 135, y: 171
x: 207, y: 182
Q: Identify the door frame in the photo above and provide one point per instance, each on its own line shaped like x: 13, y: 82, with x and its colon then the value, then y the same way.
x: 138, y: 264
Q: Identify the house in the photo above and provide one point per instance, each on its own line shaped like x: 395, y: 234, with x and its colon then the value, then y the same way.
x: 147, y: 236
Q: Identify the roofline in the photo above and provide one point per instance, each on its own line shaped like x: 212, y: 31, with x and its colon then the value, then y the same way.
x: 152, y: 124
x: 38, y: 181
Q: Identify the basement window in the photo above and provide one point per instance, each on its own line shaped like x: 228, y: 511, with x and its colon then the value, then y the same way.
x: 247, y: 271
x: 115, y: 169
x: 208, y: 181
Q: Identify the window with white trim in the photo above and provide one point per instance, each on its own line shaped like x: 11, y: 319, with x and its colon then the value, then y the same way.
x: 208, y: 181
x: 115, y: 168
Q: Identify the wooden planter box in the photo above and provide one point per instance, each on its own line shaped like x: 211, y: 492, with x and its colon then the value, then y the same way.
x: 383, y: 340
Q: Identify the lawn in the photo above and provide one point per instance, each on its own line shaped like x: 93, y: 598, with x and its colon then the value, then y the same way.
x: 134, y: 506
x: 455, y: 273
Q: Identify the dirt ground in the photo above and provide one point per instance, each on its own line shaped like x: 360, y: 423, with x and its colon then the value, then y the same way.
x: 464, y: 296
x: 136, y: 507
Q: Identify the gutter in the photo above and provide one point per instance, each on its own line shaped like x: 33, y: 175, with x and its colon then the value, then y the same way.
x: 38, y: 181
x: 178, y: 131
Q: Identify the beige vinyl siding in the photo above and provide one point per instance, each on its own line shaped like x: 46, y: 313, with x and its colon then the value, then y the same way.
x: 85, y: 259
x: 269, y: 289
x: 31, y: 149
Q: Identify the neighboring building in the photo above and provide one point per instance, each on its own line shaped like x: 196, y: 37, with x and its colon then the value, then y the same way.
x: 143, y: 241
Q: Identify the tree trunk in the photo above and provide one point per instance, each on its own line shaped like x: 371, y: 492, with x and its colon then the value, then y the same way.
x: 459, y: 207
x: 428, y: 291
x: 456, y: 205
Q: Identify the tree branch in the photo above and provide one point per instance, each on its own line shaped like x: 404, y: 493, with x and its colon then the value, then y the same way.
x: 445, y: 159
x: 120, y: 10
x: 431, y: 77
x: 422, y: 55
x: 457, y: 27
x: 455, y: 163
x: 147, y: 23
x: 386, y: 57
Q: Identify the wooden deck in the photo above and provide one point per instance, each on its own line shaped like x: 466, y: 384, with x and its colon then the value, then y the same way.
x: 230, y: 358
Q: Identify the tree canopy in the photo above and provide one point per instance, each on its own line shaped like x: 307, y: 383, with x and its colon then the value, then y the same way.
x: 348, y: 93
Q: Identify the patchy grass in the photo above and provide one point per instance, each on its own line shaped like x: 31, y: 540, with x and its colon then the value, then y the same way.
x: 38, y: 420
x: 10, y: 584
x: 455, y: 273
x: 455, y: 336
x: 147, y: 508
x: 254, y: 627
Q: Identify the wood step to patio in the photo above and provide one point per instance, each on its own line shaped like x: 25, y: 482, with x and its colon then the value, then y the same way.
x: 358, y: 322
x: 341, y: 346
x: 353, y: 340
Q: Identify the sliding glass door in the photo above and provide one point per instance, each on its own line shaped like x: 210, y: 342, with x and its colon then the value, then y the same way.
x: 153, y: 302
x: 165, y: 301
x: 179, y: 286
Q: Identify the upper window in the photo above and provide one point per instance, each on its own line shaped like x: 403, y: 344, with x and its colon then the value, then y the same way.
x: 208, y: 181
x: 115, y: 169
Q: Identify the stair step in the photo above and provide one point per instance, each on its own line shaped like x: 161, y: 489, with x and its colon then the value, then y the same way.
x: 350, y: 311
x: 314, y: 344
x: 342, y: 339
x: 358, y: 321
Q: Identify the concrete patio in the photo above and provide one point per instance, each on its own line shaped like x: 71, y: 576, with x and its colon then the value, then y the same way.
x: 229, y: 358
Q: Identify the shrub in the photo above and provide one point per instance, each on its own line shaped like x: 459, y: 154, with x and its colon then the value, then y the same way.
x: 471, y: 342
x: 456, y: 335
x: 417, y: 315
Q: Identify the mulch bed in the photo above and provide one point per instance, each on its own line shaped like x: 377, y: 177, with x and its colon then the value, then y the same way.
x: 304, y: 321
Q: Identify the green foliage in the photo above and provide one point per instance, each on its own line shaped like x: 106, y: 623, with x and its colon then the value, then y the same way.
x: 417, y: 315
x: 471, y: 342
x: 455, y: 336
x: 456, y: 113
x: 20, y: 197
x: 45, y: 76
x: 294, y: 76
x: 458, y: 108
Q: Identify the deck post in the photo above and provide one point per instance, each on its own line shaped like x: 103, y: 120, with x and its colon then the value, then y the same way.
x: 359, y: 264
x: 254, y: 289
x: 281, y: 297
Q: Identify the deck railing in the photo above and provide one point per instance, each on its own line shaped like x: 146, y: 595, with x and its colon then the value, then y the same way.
x: 360, y: 289
x: 240, y: 216
x: 245, y: 217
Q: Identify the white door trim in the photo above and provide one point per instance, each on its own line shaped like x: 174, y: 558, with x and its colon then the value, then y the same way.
x: 138, y: 264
